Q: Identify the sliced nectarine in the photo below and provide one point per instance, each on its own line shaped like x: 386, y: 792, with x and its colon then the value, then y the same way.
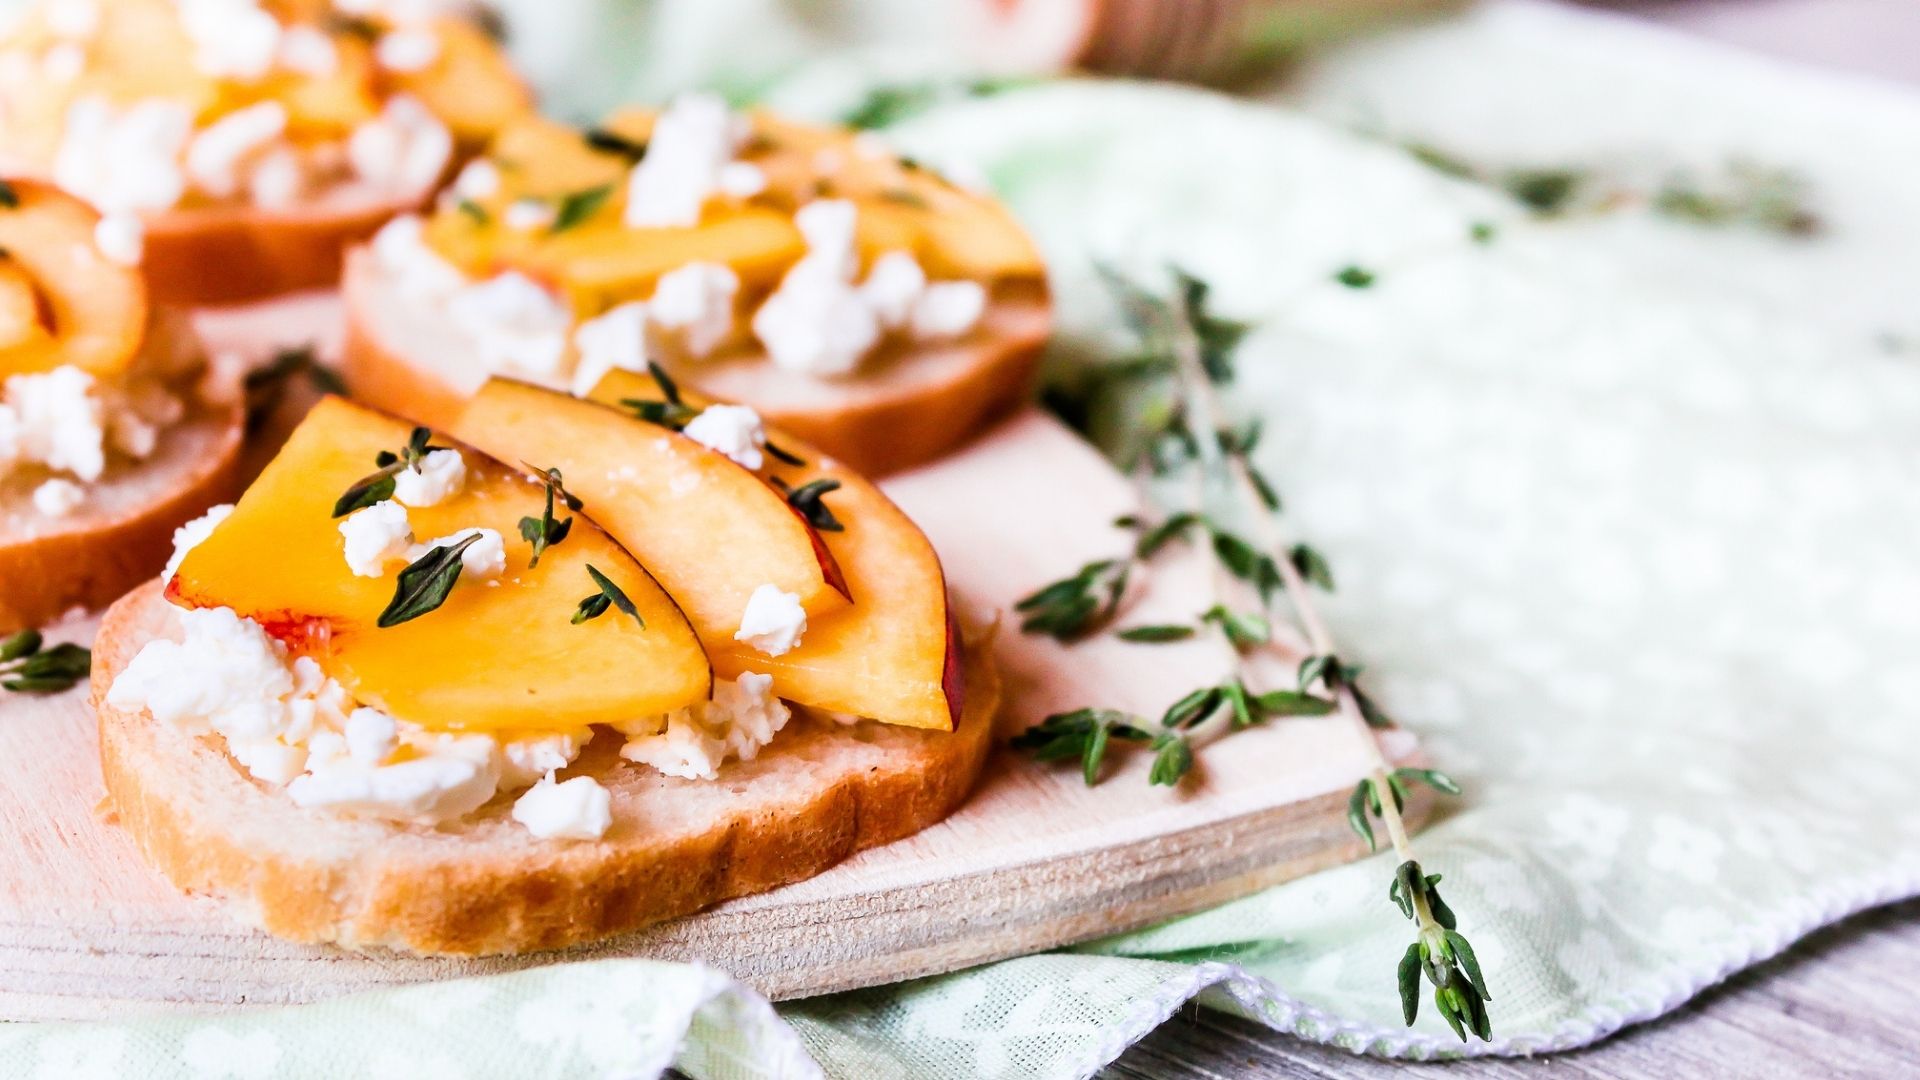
x: 601, y: 267
x: 893, y: 655
x: 499, y: 653
x: 710, y: 529
x: 85, y: 309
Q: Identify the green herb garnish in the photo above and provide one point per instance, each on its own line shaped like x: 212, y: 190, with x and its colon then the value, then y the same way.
x: 474, y: 211
x: 1075, y: 606
x: 426, y: 582
x: 576, y: 207
x: 609, y: 595
x: 807, y: 498
x: 612, y: 142
x: 378, y: 486
x: 26, y: 667
x: 1354, y: 277
x: 543, y: 532
x: 265, y: 387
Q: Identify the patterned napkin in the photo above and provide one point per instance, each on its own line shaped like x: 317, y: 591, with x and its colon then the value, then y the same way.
x: 1623, y: 511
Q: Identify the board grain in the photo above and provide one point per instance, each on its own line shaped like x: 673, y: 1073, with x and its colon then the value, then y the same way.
x: 1034, y: 860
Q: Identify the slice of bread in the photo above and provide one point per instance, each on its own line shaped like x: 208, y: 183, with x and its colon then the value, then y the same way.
x: 907, y: 410
x: 121, y: 535
x: 236, y: 254
x: 483, y: 885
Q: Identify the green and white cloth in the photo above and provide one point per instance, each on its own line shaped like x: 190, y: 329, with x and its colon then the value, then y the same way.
x: 1624, y: 514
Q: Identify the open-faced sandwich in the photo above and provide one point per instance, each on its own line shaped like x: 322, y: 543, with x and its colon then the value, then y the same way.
x: 111, y: 433
x: 850, y: 295
x: 243, y: 144
x: 406, y: 695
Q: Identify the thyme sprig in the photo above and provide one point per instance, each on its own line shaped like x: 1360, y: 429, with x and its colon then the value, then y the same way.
x: 378, y: 486
x: 543, y: 532
x: 28, y: 667
x: 810, y: 500
x: 1185, y: 361
x: 266, y: 386
x: 674, y: 413
x: 426, y: 583
x: 609, y: 595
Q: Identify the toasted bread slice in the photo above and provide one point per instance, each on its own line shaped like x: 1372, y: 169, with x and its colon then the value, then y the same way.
x: 235, y: 254
x: 909, y: 409
x: 122, y: 533
x: 483, y: 885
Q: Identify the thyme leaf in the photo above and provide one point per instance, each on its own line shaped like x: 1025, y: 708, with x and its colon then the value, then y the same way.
x: 594, y: 606
x: 576, y: 207
x: 543, y: 532
x: 426, y: 582
x: 612, y: 142
x: 809, y: 498
x: 28, y: 667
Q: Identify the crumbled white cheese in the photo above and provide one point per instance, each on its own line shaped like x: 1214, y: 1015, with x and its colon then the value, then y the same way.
x: 526, y: 215
x: 438, y: 477
x: 741, y: 179
x: 227, y: 675
x: 513, y: 324
x: 407, y: 50
x: 431, y: 788
x: 74, y: 20
x: 773, y: 622
x: 418, y: 271
x: 733, y: 430
x: 124, y: 161
x: 577, y: 809
x: 816, y: 322
x: 948, y: 309
x: 615, y: 339
x: 694, y: 138
x: 231, y: 38
x: 121, y: 238
x: 306, y: 50
x: 278, y: 179
x: 692, y: 306
x: 402, y: 151
x: 374, y: 536
x: 526, y: 759
x: 57, y: 498
x: 480, y: 179
x: 484, y: 558
x: 371, y: 735
x: 893, y: 286
x: 743, y: 717
x: 269, y: 760
x: 218, y: 153
x: 193, y: 534
x: 58, y: 422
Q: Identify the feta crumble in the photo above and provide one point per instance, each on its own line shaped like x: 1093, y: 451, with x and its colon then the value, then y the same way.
x: 480, y: 179
x: 124, y: 161
x: 402, y: 151
x: 693, y: 307
x: 741, y: 179
x: 231, y: 38
x: 773, y: 622
x: 376, y: 535
x: 694, y: 742
x: 948, y: 309
x: 192, y: 535
x: 526, y: 215
x: 371, y: 736
x: 693, y: 139
x: 438, y: 477
x: 525, y: 760
x: 418, y: 271
x: 55, y: 420
x: 893, y: 286
x: 57, y: 498
x: 615, y: 339
x: 484, y: 558
x: 218, y: 153
x: 733, y: 430
x: 305, y: 50
x: 407, y: 50
x: 513, y: 323
x: 431, y: 788
x: 576, y: 809
x: 121, y: 238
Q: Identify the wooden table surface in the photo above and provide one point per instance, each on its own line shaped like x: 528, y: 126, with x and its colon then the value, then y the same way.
x: 1856, y: 980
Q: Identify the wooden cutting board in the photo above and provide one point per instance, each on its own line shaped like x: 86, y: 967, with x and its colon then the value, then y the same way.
x: 1034, y: 860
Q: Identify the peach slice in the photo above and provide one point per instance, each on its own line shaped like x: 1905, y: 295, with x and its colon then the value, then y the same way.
x: 64, y: 302
x: 470, y: 86
x: 500, y: 653
x: 709, y: 528
x: 892, y: 656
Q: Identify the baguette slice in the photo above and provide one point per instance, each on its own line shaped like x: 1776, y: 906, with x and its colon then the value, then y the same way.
x: 906, y: 411
x: 124, y: 530
x: 237, y: 254
x: 483, y: 885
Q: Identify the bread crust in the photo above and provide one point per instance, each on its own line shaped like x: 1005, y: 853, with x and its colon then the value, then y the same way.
x: 236, y: 254
x: 94, y: 560
x: 872, y: 424
x: 483, y: 886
